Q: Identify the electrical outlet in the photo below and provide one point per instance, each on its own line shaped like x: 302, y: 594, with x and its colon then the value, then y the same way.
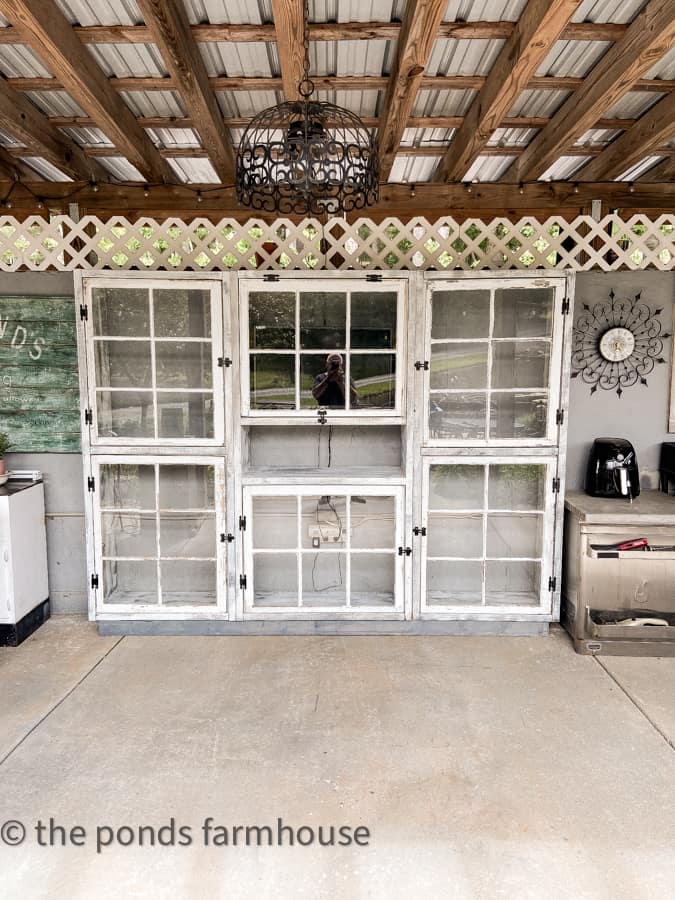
x: 328, y: 533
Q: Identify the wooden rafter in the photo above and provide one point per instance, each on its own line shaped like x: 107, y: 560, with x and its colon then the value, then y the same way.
x: 25, y: 123
x: 52, y: 38
x: 647, y: 39
x: 643, y: 139
x: 418, y: 34
x: 539, y: 27
x: 289, y: 31
x: 12, y: 169
x: 170, y: 30
x: 662, y: 173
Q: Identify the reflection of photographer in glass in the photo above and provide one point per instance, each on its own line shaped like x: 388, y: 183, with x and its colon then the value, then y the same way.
x: 329, y: 386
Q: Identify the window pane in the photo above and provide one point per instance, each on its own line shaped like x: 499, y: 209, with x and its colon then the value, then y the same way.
x: 326, y: 377
x: 129, y: 534
x: 454, y: 583
x: 509, y: 535
x: 516, y: 415
x: 183, y: 365
x: 324, y: 522
x: 121, y: 311
x: 512, y: 583
x: 188, y: 583
x: 460, y: 314
x: 456, y: 487
x: 459, y: 416
x: 373, y: 522
x: 186, y: 487
x: 127, y: 486
x: 323, y: 320
x: 520, y: 364
x: 459, y: 365
x: 455, y: 535
x: 516, y: 486
x: 324, y: 579
x: 185, y: 415
x: 123, y: 364
x: 271, y: 320
x: 275, y: 522
x: 373, y: 381
x: 373, y: 322
x: 272, y: 381
x: 130, y: 582
x: 187, y: 534
x: 523, y: 312
x: 275, y: 579
x: 182, y: 313
x: 373, y: 579
x: 125, y: 414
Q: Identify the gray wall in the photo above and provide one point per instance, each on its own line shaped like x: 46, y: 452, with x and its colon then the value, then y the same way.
x: 641, y: 413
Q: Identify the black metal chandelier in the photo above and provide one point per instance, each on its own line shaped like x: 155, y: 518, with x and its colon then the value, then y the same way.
x: 307, y: 157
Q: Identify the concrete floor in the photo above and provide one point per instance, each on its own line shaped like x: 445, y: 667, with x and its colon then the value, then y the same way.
x: 483, y: 767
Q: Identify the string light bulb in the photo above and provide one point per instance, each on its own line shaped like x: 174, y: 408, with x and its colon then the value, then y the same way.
x: 199, y: 197
x: 146, y: 190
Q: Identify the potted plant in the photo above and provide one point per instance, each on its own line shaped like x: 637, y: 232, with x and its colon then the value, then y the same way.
x: 5, y: 444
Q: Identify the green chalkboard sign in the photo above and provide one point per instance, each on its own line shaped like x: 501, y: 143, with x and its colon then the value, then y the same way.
x: 39, y: 396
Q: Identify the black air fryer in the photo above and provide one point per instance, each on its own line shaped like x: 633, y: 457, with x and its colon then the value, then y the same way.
x: 612, y: 469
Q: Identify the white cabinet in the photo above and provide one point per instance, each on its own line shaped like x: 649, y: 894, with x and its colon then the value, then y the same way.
x: 23, y: 550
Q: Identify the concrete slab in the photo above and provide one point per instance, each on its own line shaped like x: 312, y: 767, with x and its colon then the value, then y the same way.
x: 651, y: 685
x: 483, y: 767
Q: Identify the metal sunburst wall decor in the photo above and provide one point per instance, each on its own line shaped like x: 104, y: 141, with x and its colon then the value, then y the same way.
x: 617, y: 343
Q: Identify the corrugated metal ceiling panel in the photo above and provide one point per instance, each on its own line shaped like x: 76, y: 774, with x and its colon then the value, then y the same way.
x: 538, y: 103
x: 489, y: 168
x: 472, y: 57
x: 351, y: 57
x: 230, y: 12
x: 174, y: 137
x: 255, y: 59
x: 618, y: 11
x: 87, y: 137
x: 363, y: 103
x: 154, y: 103
x: 632, y: 105
x: 572, y: 58
x: 427, y: 137
x: 246, y: 103
x: 564, y: 168
x: 665, y: 67
x: 484, y: 10
x: 413, y: 169
x: 442, y: 103
x: 355, y: 10
x: 19, y: 61
x: 101, y: 12
x: 129, y: 60
x: 45, y: 169
x: 512, y: 137
x: 120, y: 168
x: 6, y: 140
x: 597, y: 136
x: 194, y: 171
x: 55, y: 103
x: 639, y: 168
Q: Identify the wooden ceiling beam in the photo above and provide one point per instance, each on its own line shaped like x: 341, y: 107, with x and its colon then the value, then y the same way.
x: 538, y: 28
x: 289, y: 32
x: 648, y: 38
x: 662, y: 173
x: 170, y: 30
x: 52, y: 38
x: 418, y: 35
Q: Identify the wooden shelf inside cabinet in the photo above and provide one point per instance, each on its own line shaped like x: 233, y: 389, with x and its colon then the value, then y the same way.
x: 306, y: 475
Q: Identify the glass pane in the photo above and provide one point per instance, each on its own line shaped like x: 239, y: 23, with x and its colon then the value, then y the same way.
x: 516, y: 486
x: 272, y: 381
x: 187, y: 534
x: 514, y: 535
x: 508, y: 583
x: 271, y: 320
x: 520, y: 364
x: 458, y: 416
x: 275, y: 579
x: 127, y: 486
x: 456, y: 487
x: 183, y: 365
x: 123, y: 364
x: 130, y: 582
x: 129, y: 534
x: 460, y: 314
x: 182, y: 313
x: 323, y: 320
x: 373, y: 521
x: 324, y: 579
x: 322, y: 381
x: 454, y: 583
x: 373, y: 381
x: 125, y: 414
x: 523, y: 312
x: 324, y: 522
x: 373, y: 579
x: 121, y: 311
x: 185, y: 415
x: 188, y: 583
x: 373, y: 322
x: 516, y: 415
x: 275, y: 522
x: 186, y: 487
x: 455, y: 535
x: 459, y: 365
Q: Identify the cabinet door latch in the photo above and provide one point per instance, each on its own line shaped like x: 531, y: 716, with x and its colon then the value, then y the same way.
x: 242, y: 582
x: 417, y: 531
x: 94, y: 581
x: 226, y: 537
x: 422, y: 364
x: 404, y: 551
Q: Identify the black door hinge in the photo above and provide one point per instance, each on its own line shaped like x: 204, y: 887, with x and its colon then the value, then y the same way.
x: 417, y: 531
x: 404, y: 550
x: 270, y: 276
x: 242, y: 523
x: 224, y: 361
x: 84, y: 312
x: 374, y: 276
x: 94, y: 581
x: 422, y: 365
x: 242, y: 581
x: 552, y: 582
x: 88, y: 417
x: 323, y: 416
x: 556, y: 485
x: 226, y: 537
x: 91, y: 483
x: 565, y: 306
x: 559, y: 416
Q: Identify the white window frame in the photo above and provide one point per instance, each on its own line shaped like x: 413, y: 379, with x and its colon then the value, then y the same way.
x: 113, y: 611
x: 341, y: 489
x: 219, y: 328
x: 542, y: 612
x: 340, y: 283
x: 476, y: 282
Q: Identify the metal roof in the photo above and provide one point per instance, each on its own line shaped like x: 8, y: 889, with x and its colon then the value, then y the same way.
x: 19, y: 61
x: 470, y: 57
x: 484, y: 10
x: 45, y: 169
x: 101, y: 12
x: 489, y: 168
x: 638, y: 169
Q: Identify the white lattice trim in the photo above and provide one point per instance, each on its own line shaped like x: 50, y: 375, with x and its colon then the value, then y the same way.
x: 175, y: 245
